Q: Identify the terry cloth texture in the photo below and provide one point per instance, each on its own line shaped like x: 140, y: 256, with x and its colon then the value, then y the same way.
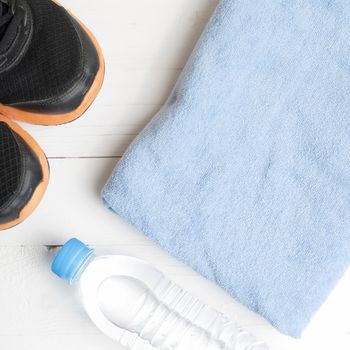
x: 245, y: 173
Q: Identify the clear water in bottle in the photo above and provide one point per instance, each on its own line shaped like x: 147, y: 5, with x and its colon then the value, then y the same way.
x: 135, y: 304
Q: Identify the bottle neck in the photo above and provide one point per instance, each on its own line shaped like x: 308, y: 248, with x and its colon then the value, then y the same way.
x: 84, y: 264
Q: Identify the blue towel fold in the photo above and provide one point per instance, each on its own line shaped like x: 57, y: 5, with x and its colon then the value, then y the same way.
x: 245, y: 173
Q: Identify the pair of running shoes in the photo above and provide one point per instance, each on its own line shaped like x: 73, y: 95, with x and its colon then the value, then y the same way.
x: 51, y: 70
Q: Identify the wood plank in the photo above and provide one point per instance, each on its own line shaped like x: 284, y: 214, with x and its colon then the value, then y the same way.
x: 59, y: 342
x: 41, y: 304
x: 146, y: 44
x: 72, y: 206
x: 37, y: 307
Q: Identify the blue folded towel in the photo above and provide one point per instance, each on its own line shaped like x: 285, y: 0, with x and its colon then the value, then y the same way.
x: 245, y: 173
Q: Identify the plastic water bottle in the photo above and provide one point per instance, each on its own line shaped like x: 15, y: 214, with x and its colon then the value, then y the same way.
x: 135, y: 304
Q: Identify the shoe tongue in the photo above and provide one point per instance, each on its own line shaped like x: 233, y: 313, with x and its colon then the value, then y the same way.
x: 5, y: 18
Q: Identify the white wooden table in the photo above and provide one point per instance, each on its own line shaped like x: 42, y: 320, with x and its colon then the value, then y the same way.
x: 146, y: 44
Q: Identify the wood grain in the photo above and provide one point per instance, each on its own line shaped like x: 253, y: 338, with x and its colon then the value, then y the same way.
x: 36, y: 306
x: 146, y: 44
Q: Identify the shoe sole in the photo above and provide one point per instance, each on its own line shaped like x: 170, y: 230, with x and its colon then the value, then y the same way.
x: 57, y: 119
x: 41, y: 188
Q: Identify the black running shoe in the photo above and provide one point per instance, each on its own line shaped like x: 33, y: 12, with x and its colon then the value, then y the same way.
x: 51, y: 66
x: 24, y: 174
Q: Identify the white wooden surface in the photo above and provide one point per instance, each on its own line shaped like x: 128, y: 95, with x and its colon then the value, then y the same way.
x: 146, y: 44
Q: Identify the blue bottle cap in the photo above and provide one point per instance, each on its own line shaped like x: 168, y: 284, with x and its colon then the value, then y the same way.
x: 70, y: 259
